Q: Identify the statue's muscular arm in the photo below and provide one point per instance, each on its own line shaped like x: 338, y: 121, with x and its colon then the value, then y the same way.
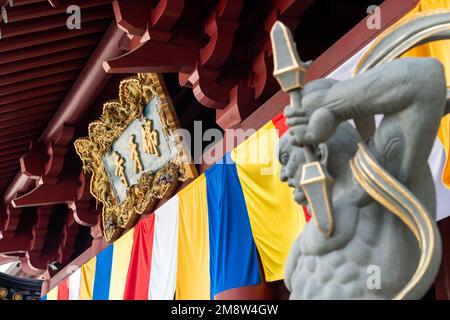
x: 410, y: 92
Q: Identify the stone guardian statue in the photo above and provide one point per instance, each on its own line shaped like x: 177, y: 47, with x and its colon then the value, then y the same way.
x: 373, y: 233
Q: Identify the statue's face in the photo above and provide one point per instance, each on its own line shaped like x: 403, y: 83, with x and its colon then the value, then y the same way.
x: 292, y: 159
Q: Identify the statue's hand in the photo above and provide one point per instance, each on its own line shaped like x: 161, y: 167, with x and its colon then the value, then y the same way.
x: 312, y: 122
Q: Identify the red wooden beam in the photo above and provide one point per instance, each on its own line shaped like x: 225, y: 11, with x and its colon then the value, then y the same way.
x: 54, y: 47
x: 63, y: 191
x: 29, y: 103
x: 41, y: 72
x: 19, y: 243
x: 16, y: 142
x: 14, y: 147
x: 21, y: 128
x: 18, y: 3
x: 46, y: 60
x: 11, y: 162
x: 27, y: 112
x: 86, y: 88
x: 33, y: 163
x: 8, y: 168
x: 164, y: 57
x: 37, y: 83
x: 43, y: 24
x: 24, y: 121
x: 7, y: 176
x: 35, y: 93
x: 38, y: 10
x: 13, y: 156
x: 8, y: 171
x: 132, y: 16
x: 8, y: 152
x: 28, y: 40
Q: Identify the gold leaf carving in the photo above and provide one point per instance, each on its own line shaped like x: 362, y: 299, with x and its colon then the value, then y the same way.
x: 134, y: 94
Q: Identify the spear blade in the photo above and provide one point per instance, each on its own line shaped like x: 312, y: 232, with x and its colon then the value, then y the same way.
x: 289, y: 70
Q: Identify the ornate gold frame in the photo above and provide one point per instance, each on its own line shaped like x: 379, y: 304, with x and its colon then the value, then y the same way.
x: 134, y: 94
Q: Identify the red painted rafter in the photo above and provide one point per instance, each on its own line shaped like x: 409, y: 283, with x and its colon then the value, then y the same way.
x: 35, y: 93
x: 28, y: 112
x: 8, y: 167
x: 54, y: 47
x: 49, y: 59
x: 44, y: 10
x: 29, y: 103
x: 29, y: 40
x: 18, y: 3
x: 17, y: 78
x: 6, y: 164
x: 7, y: 176
x: 18, y: 121
x: 43, y: 24
x: 37, y: 83
x: 14, y: 155
x: 18, y: 145
x: 21, y: 128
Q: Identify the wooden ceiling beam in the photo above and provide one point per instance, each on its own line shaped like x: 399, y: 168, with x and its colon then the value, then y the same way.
x: 10, y: 162
x: 41, y: 72
x: 6, y: 170
x: 29, y: 103
x: 9, y: 152
x: 18, y: 3
x: 29, y: 40
x: 21, y: 128
x: 59, y: 87
x: 24, y: 121
x: 46, y: 23
x: 13, y: 155
x: 28, y: 111
x: 54, y: 47
x: 46, y: 60
x: 37, y: 83
x: 18, y: 143
x: 39, y: 10
x: 7, y: 175
x: 86, y: 88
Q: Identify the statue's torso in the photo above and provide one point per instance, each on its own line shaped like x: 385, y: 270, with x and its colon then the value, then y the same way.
x: 366, y: 238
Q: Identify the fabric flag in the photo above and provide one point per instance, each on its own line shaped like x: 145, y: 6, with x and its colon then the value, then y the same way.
x: 164, y: 254
x: 120, y: 263
x: 439, y: 50
x: 87, y: 279
x: 63, y: 290
x: 233, y: 255
x: 74, y: 285
x: 276, y: 219
x: 53, y: 294
x: 193, y: 280
x: 138, y: 275
x: 103, y: 274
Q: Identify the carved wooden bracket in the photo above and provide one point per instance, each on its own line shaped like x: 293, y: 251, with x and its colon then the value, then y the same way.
x: 39, y: 233
x: 83, y: 211
x: 69, y: 235
x: 11, y: 223
x: 226, y: 58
